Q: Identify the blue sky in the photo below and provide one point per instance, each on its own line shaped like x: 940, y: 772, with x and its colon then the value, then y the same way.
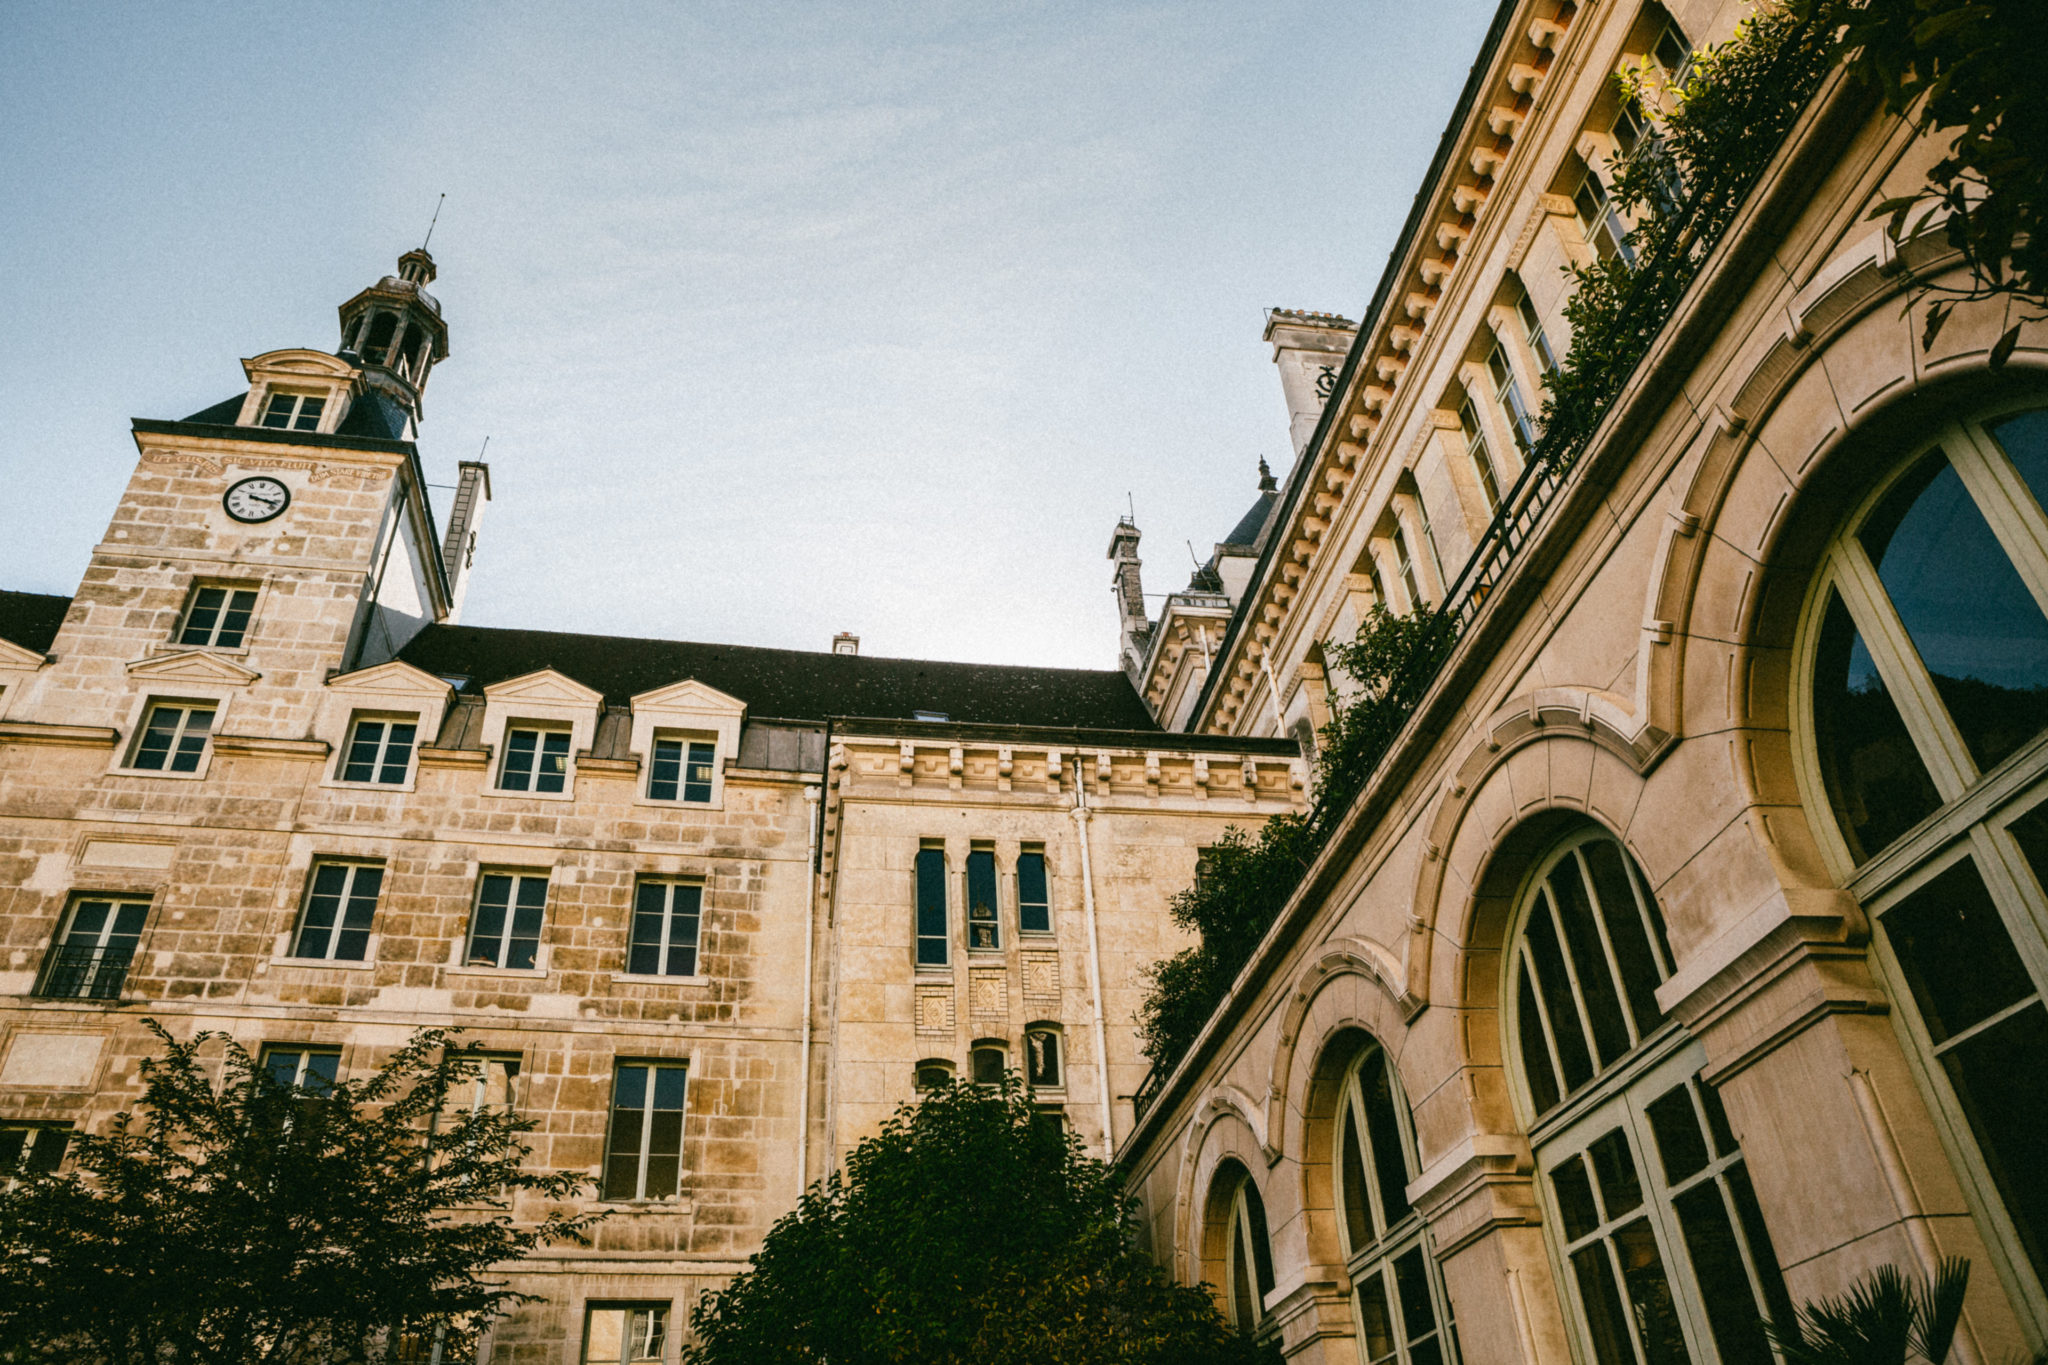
x: 781, y: 319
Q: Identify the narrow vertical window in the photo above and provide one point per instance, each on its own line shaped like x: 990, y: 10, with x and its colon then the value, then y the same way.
x: 644, y: 1159
x: 681, y: 770
x: 1508, y: 394
x: 174, y: 737
x: 341, y: 900
x: 625, y: 1334
x: 665, y: 921
x: 986, y: 1061
x: 982, y: 929
x: 1601, y: 225
x: 1405, y: 565
x: 1481, y: 456
x: 1248, y: 1267
x: 91, y: 956
x: 1532, y: 332
x: 218, y: 617
x: 931, y: 907
x: 1042, y: 1057
x: 504, y: 929
x: 535, y: 760
x: 1034, y: 904
x: 380, y: 751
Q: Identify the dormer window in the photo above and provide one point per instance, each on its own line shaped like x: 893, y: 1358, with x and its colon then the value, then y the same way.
x: 293, y: 411
x: 681, y: 770
x: 535, y: 760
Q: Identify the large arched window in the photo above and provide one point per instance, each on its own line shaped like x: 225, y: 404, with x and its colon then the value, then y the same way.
x: 1659, y: 1240
x: 1248, y: 1256
x: 1925, y: 650
x: 1403, y: 1312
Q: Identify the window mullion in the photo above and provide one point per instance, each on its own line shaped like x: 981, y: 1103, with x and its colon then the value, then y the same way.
x: 1542, y: 1017
x: 1361, y: 1138
x: 1899, y: 664
x: 1571, y: 975
x: 2008, y: 506
x: 1628, y: 1014
x: 646, y: 1132
x: 2000, y: 870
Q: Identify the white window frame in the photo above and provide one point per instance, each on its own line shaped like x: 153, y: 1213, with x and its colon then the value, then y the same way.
x: 67, y: 925
x: 186, y: 706
x: 688, y: 741
x: 656, y: 1341
x: 671, y: 888
x: 295, y: 413
x: 518, y: 877
x: 654, y: 1067
x: 229, y: 591
x: 541, y: 730
x: 1240, y: 1225
x: 305, y: 1052
x: 1052, y: 1033
x: 289, y: 948
x: 381, y: 758
x: 1977, y: 806
x: 1051, y: 928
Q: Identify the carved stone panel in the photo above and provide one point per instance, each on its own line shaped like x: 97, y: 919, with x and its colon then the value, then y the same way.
x: 988, y: 994
x: 935, y: 1009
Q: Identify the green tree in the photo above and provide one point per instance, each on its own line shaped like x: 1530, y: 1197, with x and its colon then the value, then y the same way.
x: 266, y: 1224
x: 967, y: 1230
x: 1884, y: 1319
x: 1972, y: 69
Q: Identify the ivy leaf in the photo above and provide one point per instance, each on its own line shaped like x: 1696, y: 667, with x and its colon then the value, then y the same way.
x: 2002, y: 350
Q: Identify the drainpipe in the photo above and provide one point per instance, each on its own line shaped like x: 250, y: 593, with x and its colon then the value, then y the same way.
x: 1080, y: 814
x: 812, y: 797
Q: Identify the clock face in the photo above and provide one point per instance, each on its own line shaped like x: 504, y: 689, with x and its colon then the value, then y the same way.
x: 257, y: 499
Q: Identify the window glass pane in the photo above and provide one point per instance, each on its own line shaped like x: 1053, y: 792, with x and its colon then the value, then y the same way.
x: 1680, y: 1144
x: 2025, y: 439
x: 666, y: 774
x: 1718, y: 1269
x: 2009, y: 1115
x: 1614, y: 1167
x: 486, y: 940
x: 1972, y: 619
x: 353, y: 942
x: 1556, y: 986
x: 1596, y: 979
x: 1389, y: 1152
x: 323, y: 908
x: 397, y: 753
x: 235, y: 623
x: 554, y: 762
x: 363, y: 751
x: 931, y: 906
x: 697, y: 787
x: 1351, y: 1171
x: 517, y: 774
x: 1536, y: 1068
x: 192, y: 743
x: 1761, y: 1254
x: 1955, y: 953
x: 684, y: 905
x: 981, y: 899
x: 1602, y: 1303
x: 321, y: 1069
x: 309, y: 414
x: 1649, y: 1294
x: 46, y: 1153
x: 1244, y: 1306
x: 987, y: 1064
x: 1574, y: 1197
x: 1640, y: 963
x: 1043, y: 1058
x: 650, y: 917
x: 1034, y: 907
x: 1375, y: 1323
x: 524, y: 943
x: 1875, y: 778
x: 206, y: 604
x: 1262, y: 1251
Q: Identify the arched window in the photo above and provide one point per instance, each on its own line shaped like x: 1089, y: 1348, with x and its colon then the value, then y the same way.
x: 1646, y: 1199
x: 1925, y: 648
x: 1403, y: 1314
x: 1042, y: 1062
x: 987, y: 1060
x: 934, y: 1072
x: 1248, y: 1260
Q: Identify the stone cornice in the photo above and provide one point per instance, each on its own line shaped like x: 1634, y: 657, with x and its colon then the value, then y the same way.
x: 61, y: 736
x: 263, y: 746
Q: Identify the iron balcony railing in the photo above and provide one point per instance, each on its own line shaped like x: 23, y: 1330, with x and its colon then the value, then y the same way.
x: 85, y: 974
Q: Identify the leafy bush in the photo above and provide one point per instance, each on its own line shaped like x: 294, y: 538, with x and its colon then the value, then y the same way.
x: 965, y: 1231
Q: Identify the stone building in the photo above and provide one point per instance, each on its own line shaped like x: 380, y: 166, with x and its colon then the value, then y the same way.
x: 1685, y: 955
x: 715, y: 910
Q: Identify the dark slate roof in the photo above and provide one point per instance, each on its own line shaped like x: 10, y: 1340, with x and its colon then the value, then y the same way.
x: 30, y: 619
x: 221, y: 414
x: 1246, y: 532
x: 372, y: 415
x: 789, y: 683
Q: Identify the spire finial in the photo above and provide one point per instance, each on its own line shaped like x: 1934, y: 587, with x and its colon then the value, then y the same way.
x: 435, y: 219
x: 1266, y: 484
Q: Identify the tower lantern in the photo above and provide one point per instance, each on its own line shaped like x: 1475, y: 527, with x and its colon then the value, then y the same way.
x: 394, y: 331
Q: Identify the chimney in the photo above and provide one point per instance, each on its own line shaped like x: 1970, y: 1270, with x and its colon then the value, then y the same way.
x: 1309, y: 348
x: 1134, y: 630
x: 846, y: 642
x: 458, y: 543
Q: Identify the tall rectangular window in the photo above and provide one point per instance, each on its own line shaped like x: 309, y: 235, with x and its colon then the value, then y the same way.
x: 1405, y: 564
x: 1034, y: 905
x: 31, y: 1149
x: 294, y: 411
x: 931, y: 907
x: 174, y: 737
x: 1513, y: 406
x: 379, y: 751
x: 625, y: 1334
x: 681, y: 770
x: 644, y: 1159
x: 341, y: 900
x: 504, y: 929
x: 982, y: 925
x: 1601, y: 225
x: 91, y: 956
x: 535, y: 760
x: 218, y: 617
x: 1482, y: 457
x: 665, y: 921
x: 1532, y: 332
x: 302, y: 1068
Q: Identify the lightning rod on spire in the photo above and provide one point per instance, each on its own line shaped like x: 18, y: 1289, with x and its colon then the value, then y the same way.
x: 435, y: 219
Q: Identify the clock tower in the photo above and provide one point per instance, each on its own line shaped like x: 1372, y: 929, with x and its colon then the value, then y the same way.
x: 271, y: 541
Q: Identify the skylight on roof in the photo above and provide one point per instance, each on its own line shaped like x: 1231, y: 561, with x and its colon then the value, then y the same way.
x: 929, y: 715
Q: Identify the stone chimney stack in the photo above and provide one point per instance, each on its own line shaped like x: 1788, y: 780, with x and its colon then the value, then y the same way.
x: 1309, y: 348
x: 1134, y: 629
x: 458, y: 542
x: 846, y: 642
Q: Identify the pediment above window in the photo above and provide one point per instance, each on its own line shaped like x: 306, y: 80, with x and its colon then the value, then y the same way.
x: 392, y: 679
x: 547, y: 687
x: 193, y: 666
x: 395, y: 688
x: 690, y: 695
x: 13, y: 655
